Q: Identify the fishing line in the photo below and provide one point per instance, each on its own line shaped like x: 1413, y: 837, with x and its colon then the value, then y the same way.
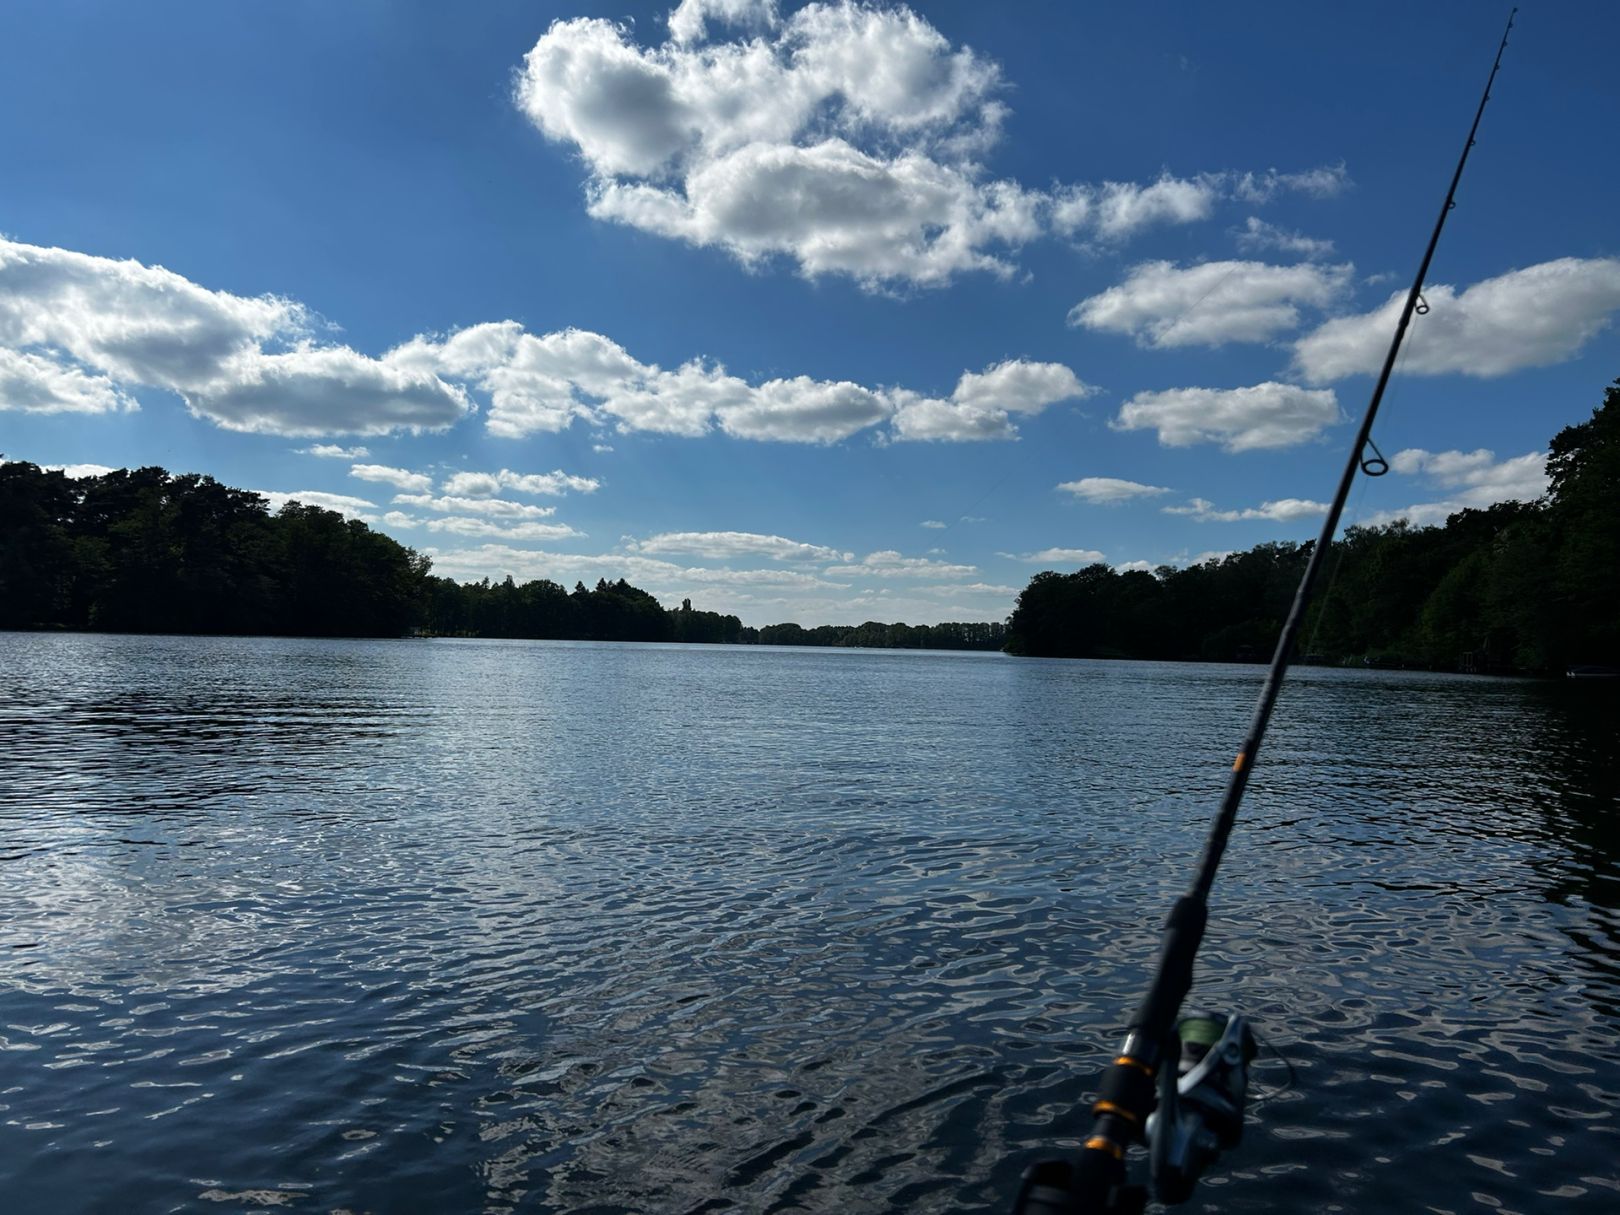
x: 1287, y: 1085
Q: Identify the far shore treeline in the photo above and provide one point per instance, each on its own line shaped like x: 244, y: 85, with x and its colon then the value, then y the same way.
x: 1528, y: 587
x: 142, y: 551
x: 1514, y: 587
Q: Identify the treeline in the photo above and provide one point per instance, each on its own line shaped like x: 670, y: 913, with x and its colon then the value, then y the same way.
x: 1515, y: 587
x: 617, y: 611
x: 542, y: 609
x: 142, y: 551
x: 138, y: 550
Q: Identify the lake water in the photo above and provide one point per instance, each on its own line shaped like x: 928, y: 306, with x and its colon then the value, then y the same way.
x: 465, y: 926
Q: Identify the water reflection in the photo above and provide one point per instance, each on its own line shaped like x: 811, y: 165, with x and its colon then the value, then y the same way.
x: 505, y: 926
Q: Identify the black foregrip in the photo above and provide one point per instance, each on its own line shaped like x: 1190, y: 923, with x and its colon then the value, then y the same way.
x: 1183, y: 933
x: 1128, y: 1088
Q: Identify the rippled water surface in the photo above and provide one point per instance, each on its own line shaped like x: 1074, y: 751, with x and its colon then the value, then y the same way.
x: 465, y: 926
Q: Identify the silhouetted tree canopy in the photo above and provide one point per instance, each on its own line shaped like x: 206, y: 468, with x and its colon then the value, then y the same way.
x: 1516, y: 586
x: 138, y: 550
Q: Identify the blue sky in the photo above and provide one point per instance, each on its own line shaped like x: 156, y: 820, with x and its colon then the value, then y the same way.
x: 825, y: 313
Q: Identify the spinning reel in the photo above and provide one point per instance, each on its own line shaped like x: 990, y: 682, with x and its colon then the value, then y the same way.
x: 1202, y: 1091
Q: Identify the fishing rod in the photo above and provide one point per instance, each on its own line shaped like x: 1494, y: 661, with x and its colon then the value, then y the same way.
x: 1179, y: 1084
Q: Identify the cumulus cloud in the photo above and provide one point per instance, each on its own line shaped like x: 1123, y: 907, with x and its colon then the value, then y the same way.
x: 552, y: 484
x: 1477, y: 480
x: 75, y: 471
x: 1134, y: 567
x: 75, y: 329
x: 343, y: 504
x: 889, y: 563
x: 749, y: 145
x: 1258, y: 236
x: 933, y: 524
x: 729, y: 545
x: 1526, y: 318
x: 1115, y: 211
x: 1110, y: 490
x: 802, y: 410
x: 462, y: 525
x: 1057, y: 556
x: 663, y: 578
x: 846, y: 138
x: 1161, y: 304
x: 1325, y: 181
x: 247, y: 364
x: 1265, y: 415
x: 495, y: 508
x: 982, y: 405
x: 545, y: 383
x: 331, y: 451
x: 689, y: 21
x: 398, y: 477
x: 1283, y: 510
x: 36, y: 383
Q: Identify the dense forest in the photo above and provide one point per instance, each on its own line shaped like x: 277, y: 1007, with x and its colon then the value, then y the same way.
x: 141, y: 551
x: 1515, y: 587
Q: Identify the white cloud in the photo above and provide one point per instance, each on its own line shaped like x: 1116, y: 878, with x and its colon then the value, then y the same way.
x: 1109, y: 490
x: 35, y: 383
x: 747, y: 145
x: 983, y: 402
x: 1121, y: 209
x: 348, y: 507
x: 246, y: 364
x: 331, y: 390
x: 331, y: 451
x: 1283, y: 510
x: 462, y: 525
x: 689, y: 21
x: 931, y: 523
x: 1240, y: 419
x: 803, y: 410
x: 835, y: 209
x: 397, y: 477
x: 1060, y: 556
x: 1115, y: 211
x: 554, y: 484
x: 496, y: 508
x: 1477, y: 477
x: 847, y: 138
x: 545, y: 383
x: 1324, y: 182
x: 1258, y: 236
x: 75, y: 471
x: 1209, y: 304
x: 662, y: 578
x: 890, y: 564
x: 1526, y: 318
x: 728, y: 545
x: 1134, y: 567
